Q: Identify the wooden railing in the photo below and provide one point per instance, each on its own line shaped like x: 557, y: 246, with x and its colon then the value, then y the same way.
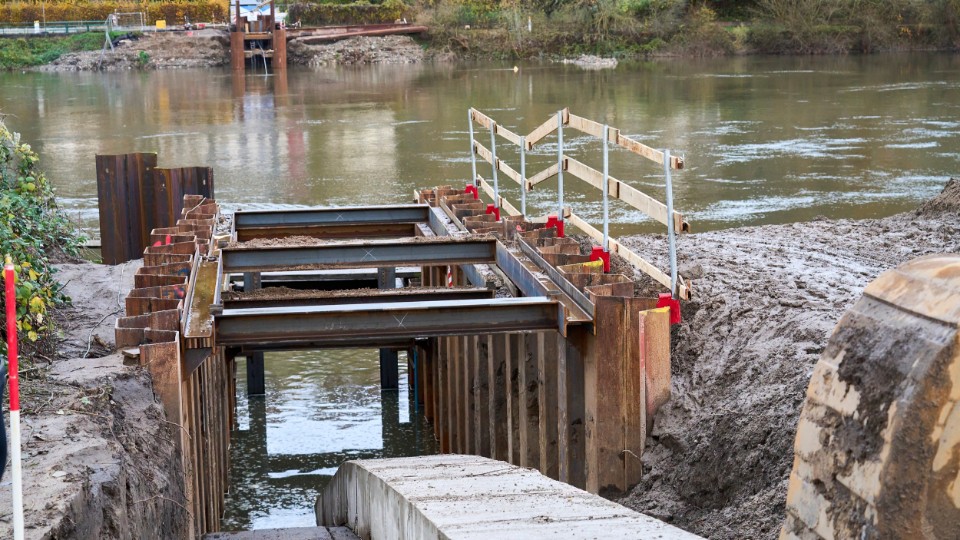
x: 661, y: 212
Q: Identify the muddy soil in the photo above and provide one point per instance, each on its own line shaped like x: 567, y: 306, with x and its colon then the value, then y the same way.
x: 766, y: 300
x: 162, y: 50
x: 356, y: 51
x: 99, y: 459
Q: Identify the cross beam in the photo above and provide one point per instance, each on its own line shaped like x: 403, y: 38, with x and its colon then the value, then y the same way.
x: 406, y: 213
x: 326, y: 325
x: 371, y: 254
x: 370, y: 296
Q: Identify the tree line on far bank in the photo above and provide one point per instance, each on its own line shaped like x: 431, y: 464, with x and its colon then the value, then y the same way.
x: 691, y: 27
x: 533, y: 28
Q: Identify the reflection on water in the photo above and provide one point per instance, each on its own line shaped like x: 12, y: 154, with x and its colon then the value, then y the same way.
x: 767, y: 139
x: 321, y: 409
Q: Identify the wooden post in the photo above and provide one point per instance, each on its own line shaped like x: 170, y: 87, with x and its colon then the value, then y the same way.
x: 443, y: 395
x: 453, y: 396
x: 515, y: 357
x: 482, y: 396
x: 548, y: 403
x: 529, y: 386
x: 497, y: 370
x: 578, y: 345
x: 468, y: 358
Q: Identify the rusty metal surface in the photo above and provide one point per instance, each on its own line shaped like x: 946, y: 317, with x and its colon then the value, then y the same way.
x: 374, y: 322
x: 135, y: 197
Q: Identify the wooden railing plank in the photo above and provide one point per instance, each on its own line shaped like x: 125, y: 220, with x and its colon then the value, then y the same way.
x: 503, y: 203
x: 544, y: 129
x: 625, y: 192
x: 683, y: 288
x: 543, y: 175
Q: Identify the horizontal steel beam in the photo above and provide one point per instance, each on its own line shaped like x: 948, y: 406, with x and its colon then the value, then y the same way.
x: 530, y: 284
x: 399, y: 344
x: 369, y: 296
x: 370, y: 254
x: 335, y: 231
x: 568, y: 288
x: 406, y: 213
x: 326, y: 325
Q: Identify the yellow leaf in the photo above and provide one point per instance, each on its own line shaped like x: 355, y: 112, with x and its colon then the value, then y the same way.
x: 24, y: 265
x: 36, y: 304
x: 32, y: 335
x: 33, y: 275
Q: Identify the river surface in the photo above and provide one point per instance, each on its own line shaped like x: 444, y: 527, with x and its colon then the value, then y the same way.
x: 765, y: 139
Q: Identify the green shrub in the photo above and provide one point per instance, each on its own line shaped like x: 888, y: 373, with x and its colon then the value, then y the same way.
x: 38, y: 50
x: 172, y: 11
x: 309, y: 13
x: 701, y: 36
x: 33, y: 231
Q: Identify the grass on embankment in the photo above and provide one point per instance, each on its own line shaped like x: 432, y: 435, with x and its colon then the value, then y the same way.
x: 21, y: 52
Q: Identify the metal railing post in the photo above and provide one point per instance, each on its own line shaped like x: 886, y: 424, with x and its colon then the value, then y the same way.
x: 493, y: 158
x: 560, y: 166
x: 606, y: 188
x: 523, y: 176
x: 670, y: 232
x: 473, y: 149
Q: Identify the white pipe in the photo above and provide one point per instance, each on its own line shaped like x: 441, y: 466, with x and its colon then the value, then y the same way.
x: 523, y: 176
x: 493, y: 158
x: 606, y: 188
x: 473, y: 152
x: 17, y: 475
x: 560, y: 165
x: 670, y: 232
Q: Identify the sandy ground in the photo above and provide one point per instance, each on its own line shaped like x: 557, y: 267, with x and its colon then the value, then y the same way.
x: 767, y: 299
x: 357, y: 50
x: 98, y: 458
x: 199, y: 48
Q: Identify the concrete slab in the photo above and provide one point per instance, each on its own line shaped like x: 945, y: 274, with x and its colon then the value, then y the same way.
x: 293, y: 533
x: 471, y: 497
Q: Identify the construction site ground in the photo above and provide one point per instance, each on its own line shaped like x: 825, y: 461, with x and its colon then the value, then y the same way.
x: 717, y: 462
x: 766, y: 301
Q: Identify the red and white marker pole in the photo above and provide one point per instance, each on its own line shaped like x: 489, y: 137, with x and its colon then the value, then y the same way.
x: 9, y: 279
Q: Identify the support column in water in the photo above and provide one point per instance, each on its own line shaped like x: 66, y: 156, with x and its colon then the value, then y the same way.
x: 389, y: 369
x: 256, y: 379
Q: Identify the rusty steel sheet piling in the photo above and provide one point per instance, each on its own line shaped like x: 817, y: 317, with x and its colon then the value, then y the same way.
x: 135, y: 198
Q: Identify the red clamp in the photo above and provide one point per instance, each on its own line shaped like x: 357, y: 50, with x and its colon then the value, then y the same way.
x: 491, y: 209
x: 598, y: 254
x: 667, y: 300
x: 159, y: 243
x: 472, y: 189
x: 552, y: 221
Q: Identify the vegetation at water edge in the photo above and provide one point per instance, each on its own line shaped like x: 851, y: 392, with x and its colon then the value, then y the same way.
x: 35, y: 51
x: 34, y: 232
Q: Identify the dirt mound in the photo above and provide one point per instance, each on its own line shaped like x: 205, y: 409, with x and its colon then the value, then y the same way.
x: 947, y: 201
x: 357, y: 50
x: 721, y: 450
x: 201, y: 48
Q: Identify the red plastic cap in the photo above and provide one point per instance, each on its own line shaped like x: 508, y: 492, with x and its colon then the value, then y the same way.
x: 552, y: 221
x: 598, y: 254
x: 491, y: 209
x: 667, y: 300
x: 472, y: 189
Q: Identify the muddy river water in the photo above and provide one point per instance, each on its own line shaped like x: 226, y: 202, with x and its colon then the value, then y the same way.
x: 766, y: 140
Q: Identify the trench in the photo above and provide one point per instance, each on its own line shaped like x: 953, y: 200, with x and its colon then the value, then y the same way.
x: 321, y: 408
